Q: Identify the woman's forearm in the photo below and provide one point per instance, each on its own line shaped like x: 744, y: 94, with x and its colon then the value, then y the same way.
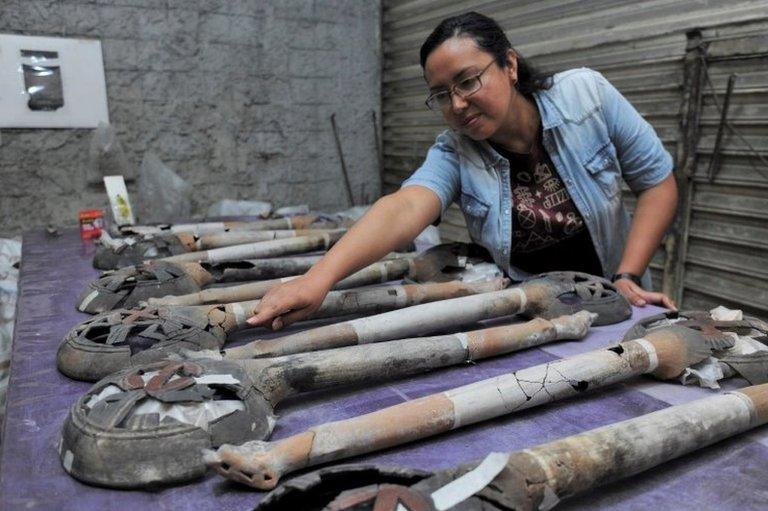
x: 653, y: 215
x: 393, y: 221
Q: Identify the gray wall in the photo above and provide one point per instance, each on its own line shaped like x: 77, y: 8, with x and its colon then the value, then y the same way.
x: 234, y: 95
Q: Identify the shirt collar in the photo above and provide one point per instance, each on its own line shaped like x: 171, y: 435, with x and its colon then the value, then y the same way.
x: 550, y: 114
x: 550, y: 118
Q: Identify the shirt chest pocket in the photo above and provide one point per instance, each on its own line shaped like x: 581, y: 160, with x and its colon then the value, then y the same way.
x: 605, y: 171
x: 475, y: 211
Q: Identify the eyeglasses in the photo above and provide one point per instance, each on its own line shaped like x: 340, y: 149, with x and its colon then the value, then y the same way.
x: 465, y: 88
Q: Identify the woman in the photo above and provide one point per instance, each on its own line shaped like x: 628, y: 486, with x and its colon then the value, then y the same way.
x: 535, y: 163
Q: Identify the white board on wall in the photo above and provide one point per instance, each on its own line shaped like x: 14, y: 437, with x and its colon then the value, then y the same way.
x: 51, y: 82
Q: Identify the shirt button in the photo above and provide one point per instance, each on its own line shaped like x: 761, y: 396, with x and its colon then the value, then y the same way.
x: 506, y: 211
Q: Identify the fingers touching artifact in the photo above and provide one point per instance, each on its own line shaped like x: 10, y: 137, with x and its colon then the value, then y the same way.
x: 639, y: 297
x: 289, y: 303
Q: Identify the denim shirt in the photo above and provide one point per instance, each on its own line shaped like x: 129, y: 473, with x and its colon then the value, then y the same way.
x: 594, y: 137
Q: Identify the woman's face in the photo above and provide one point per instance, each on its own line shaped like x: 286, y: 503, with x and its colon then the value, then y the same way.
x: 489, y: 111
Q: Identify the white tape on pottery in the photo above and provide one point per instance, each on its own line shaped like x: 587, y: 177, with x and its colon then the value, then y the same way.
x: 461, y: 489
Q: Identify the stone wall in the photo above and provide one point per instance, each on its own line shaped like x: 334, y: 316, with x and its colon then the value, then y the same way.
x: 234, y: 95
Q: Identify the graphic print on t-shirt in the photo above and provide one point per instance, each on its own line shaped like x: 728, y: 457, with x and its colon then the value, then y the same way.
x: 544, y: 211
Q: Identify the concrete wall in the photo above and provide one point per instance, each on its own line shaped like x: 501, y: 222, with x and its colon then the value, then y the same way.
x: 234, y: 95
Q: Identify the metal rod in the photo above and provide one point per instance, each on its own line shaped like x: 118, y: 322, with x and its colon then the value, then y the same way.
x: 341, y: 158
x: 379, y: 152
x: 714, y: 163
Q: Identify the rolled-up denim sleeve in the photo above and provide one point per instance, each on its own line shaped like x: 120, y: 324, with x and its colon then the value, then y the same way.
x: 644, y: 160
x: 439, y: 172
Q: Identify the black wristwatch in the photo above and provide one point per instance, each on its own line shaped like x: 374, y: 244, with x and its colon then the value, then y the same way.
x: 629, y: 276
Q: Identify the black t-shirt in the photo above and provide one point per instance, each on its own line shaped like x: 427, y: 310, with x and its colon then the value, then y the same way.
x: 549, y: 231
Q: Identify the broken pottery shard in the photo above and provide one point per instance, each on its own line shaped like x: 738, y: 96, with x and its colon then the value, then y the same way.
x: 125, y: 411
x: 126, y: 287
x: 698, y: 320
x: 741, y: 340
x: 664, y: 353
x: 295, y: 493
x: 134, y: 251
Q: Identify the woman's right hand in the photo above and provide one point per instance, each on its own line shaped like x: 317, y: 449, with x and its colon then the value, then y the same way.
x: 289, y: 302
x: 393, y: 221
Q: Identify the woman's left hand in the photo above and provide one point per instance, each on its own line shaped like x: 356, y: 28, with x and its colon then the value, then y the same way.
x: 639, y: 297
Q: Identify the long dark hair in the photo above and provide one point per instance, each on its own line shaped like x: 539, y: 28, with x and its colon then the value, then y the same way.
x: 490, y: 38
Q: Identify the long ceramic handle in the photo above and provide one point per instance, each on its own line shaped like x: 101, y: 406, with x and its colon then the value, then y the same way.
x: 281, y: 377
x: 411, y: 321
x: 226, y: 239
x: 250, y: 291
x: 579, y: 463
x: 375, y: 273
x: 260, y: 249
x: 261, y: 269
x: 373, y: 300
x: 296, y: 222
x: 261, y: 464
x: 377, y: 300
x: 379, y: 272
x: 233, y: 315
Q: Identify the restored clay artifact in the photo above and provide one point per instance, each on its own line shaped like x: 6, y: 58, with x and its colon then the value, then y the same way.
x: 113, y: 340
x: 147, y: 424
x: 664, y: 353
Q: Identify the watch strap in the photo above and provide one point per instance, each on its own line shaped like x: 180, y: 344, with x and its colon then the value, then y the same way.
x: 629, y: 276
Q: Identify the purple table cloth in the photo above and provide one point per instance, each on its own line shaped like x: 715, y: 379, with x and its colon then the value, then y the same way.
x: 729, y: 475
